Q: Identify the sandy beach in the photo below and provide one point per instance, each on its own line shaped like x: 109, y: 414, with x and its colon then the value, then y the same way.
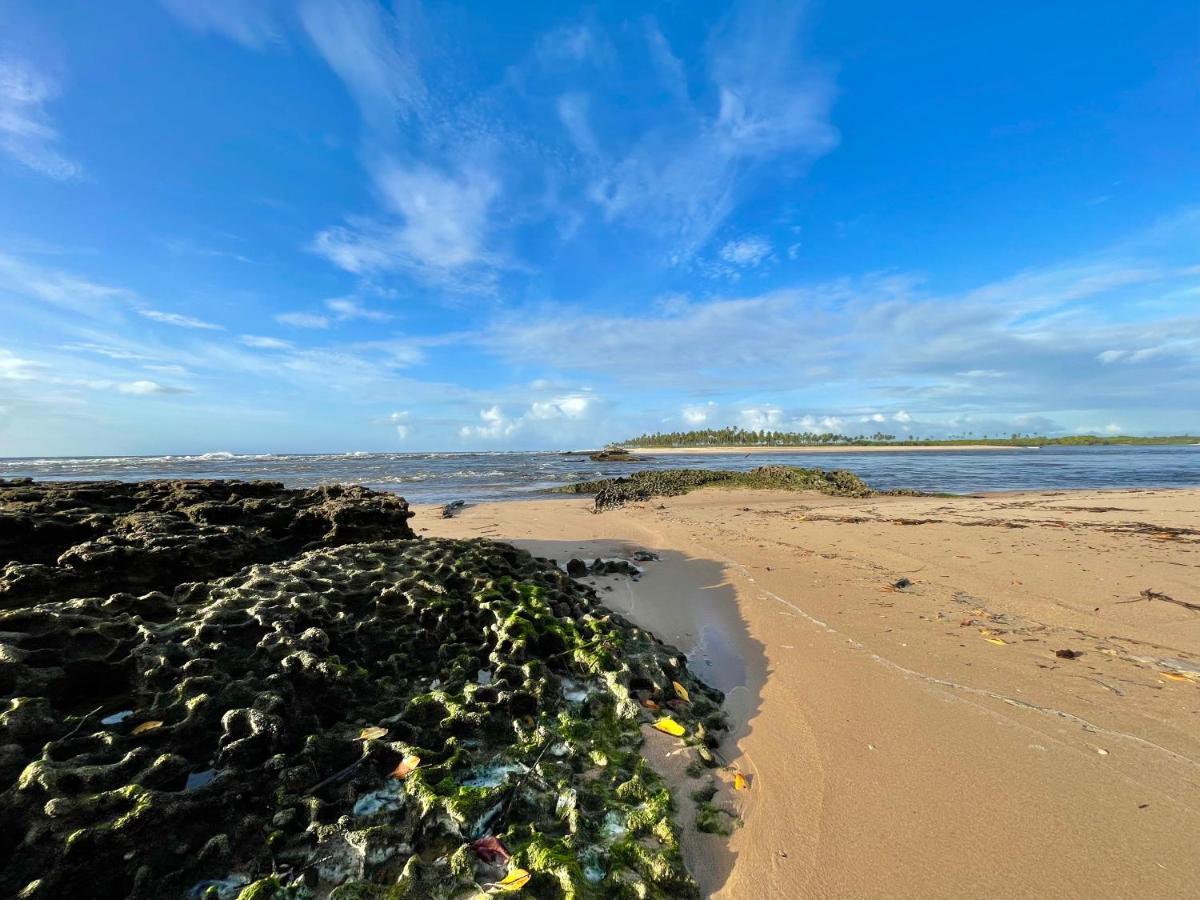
x: 848, y: 448
x: 925, y: 740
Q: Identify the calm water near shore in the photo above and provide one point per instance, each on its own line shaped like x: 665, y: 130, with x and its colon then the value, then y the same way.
x: 438, y: 477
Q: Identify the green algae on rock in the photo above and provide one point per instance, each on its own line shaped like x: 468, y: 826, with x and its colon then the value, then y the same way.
x: 520, y: 694
x: 641, y: 486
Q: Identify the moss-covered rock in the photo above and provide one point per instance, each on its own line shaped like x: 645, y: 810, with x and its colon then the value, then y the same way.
x: 239, y: 736
x: 644, y: 485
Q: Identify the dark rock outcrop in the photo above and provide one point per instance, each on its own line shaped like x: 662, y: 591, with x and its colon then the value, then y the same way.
x: 78, y: 539
x: 208, y: 686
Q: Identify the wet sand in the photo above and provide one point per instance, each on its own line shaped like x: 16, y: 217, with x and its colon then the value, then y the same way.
x: 925, y: 741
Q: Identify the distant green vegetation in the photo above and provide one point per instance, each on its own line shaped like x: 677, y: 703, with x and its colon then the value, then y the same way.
x: 740, y: 437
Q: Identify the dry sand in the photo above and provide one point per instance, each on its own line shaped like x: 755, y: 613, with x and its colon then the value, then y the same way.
x: 745, y: 451
x: 895, y: 751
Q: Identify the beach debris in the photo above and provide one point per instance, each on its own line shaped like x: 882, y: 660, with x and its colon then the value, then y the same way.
x: 650, y: 704
x: 1068, y: 654
x: 452, y: 508
x: 999, y: 642
x: 740, y: 782
x: 510, y: 883
x: 680, y: 691
x: 667, y: 725
x: 405, y: 766
x: 966, y: 623
x: 1175, y: 676
x: 1149, y: 594
x: 372, y: 733
x: 491, y: 851
x: 117, y: 718
x: 152, y: 725
x: 901, y: 583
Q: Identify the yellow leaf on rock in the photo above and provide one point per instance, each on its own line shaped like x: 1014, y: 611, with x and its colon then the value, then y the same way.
x: 147, y: 726
x: 996, y: 641
x: 372, y: 733
x: 740, y: 783
x: 405, y: 766
x: 670, y: 726
x: 680, y: 690
x: 511, y: 883
x: 1174, y: 676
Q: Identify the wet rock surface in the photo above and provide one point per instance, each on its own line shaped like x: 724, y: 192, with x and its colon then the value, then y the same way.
x: 641, y: 486
x: 344, y: 716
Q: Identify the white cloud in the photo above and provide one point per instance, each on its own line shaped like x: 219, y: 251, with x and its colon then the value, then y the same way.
x: 180, y: 321
x: 349, y: 308
x: 495, y: 425
x: 747, y: 251
x: 251, y: 24
x: 902, y: 416
x: 260, y: 342
x: 442, y: 236
x: 26, y: 134
x: 670, y: 68
x: 573, y: 113
x: 761, y: 419
x: 696, y: 415
x: 372, y: 51
x: 58, y: 288
x: 573, y: 406
x: 573, y: 44
x: 14, y: 368
x: 303, y: 320
x: 146, y: 388
x: 399, y: 420
x: 683, y: 174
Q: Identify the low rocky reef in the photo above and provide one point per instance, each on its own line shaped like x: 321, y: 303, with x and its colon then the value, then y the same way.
x: 645, y: 485
x: 234, y: 690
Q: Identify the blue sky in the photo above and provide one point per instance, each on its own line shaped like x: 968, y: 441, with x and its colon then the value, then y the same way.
x: 334, y: 225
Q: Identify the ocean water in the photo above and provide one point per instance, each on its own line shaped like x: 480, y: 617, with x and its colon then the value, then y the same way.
x: 439, y: 477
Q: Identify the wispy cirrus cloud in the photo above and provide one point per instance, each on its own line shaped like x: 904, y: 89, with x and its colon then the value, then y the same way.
x: 179, y: 320
x: 682, y: 175
x: 441, y: 234
x: 303, y: 320
x: 27, y: 134
x: 57, y: 287
x: 255, y: 24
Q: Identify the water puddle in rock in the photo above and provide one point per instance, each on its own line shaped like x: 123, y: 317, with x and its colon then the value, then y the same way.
x: 197, y: 780
x: 492, y: 776
x: 385, y: 799
x: 574, y: 691
x: 223, y: 888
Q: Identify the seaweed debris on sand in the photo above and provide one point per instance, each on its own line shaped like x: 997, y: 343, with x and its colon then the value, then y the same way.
x: 229, y: 689
x: 641, y: 486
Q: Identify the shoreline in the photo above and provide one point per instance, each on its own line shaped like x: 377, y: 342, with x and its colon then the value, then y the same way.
x: 735, y: 451
x: 923, y: 741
